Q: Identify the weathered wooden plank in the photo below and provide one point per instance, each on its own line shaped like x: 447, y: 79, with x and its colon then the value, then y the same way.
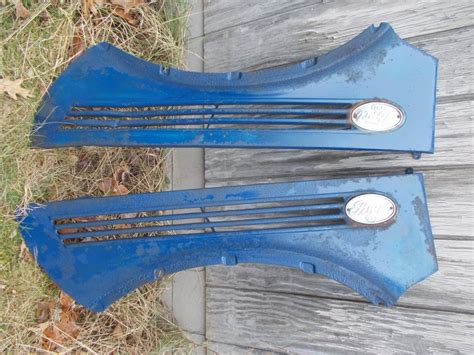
x: 450, y: 196
x: 455, y: 72
x: 214, y: 347
x: 327, y: 25
x: 220, y: 14
x: 282, y: 322
x: 291, y: 323
x: 454, y: 146
x: 295, y: 36
x: 451, y: 288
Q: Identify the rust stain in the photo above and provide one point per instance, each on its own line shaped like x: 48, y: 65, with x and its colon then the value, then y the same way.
x: 420, y: 212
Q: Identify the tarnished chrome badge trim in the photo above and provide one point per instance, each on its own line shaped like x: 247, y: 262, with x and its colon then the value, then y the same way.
x: 371, y: 209
x: 377, y: 116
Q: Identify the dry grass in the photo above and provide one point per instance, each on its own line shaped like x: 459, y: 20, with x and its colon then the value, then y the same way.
x: 37, y: 49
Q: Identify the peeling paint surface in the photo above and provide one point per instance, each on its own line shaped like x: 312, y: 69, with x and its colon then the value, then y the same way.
x: 302, y: 226
x: 303, y: 105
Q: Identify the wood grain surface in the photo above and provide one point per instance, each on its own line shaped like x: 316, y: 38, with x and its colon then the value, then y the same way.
x: 263, y: 309
x: 299, y: 324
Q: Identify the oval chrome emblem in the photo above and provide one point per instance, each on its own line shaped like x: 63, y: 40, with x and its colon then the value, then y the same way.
x: 377, y: 116
x: 371, y: 209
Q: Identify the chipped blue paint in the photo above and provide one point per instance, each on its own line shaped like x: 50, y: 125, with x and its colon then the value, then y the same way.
x: 377, y: 64
x: 380, y: 262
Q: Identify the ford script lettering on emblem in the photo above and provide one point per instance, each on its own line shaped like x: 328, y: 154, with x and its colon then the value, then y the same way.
x: 371, y: 209
x: 377, y: 116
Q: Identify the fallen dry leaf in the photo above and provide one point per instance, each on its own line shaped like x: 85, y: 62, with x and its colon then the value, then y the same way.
x: 120, y: 190
x: 42, y: 312
x: 20, y: 10
x: 125, y: 225
x: 77, y: 46
x: 126, y: 16
x: 58, y: 333
x: 83, y: 162
x: 67, y: 230
x: 118, y: 331
x: 111, y: 186
x: 129, y: 215
x: 65, y: 302
x: 13, y: 88
x: 52, y: 338
x: 122, y: 8
x: 91, y: 6
x: 24, y: 253
x: 44, y: 16
x: 106, y: 185
x: 68, y: 325
x: 43, y: 326
x: 121, y: 173
x: 127, y: 5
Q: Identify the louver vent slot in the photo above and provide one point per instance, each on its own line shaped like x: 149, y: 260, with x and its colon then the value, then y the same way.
x: 340, y: 100
x: 242, y: 217
x: 315, y: 116
x: 370, y: 233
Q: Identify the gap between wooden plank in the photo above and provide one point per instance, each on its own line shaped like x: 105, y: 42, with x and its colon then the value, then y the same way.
x: 452, y: 237
x: 440, y: 333
x: 413, y: 39
x: 453, y: 147
x: 294, y: 6
x: 336, y: 299
x: 283, y: 9
x: 350, y: 172
x: 438, y: 33
x: 453, y: 280
x: 454, y: 98
x: 217, y: 347
x: 248, y: 318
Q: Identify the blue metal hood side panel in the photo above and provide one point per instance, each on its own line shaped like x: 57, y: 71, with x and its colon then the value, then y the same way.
x: 380, y: 262
x: 377, y: 64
